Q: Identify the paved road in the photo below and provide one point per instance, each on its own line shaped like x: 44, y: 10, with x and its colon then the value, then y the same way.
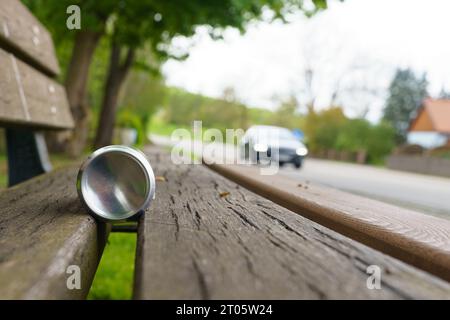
x: 423, y: 193
x: 427, y: 194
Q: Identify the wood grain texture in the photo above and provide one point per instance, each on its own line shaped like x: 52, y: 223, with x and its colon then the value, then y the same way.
x: 206, y: 237
x: 418, y: 239
x: 23, y: 35
x: 43, y: 230
x: 29, y: 98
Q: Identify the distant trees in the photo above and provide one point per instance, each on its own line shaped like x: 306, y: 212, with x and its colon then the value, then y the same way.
x: 287, y: 114
x: 322, y: 128
x: 142, y: 96
x: 406, y: 93
x: 359, y: 135
x: 325, y: 130
x: 331, y: 130
x: 182, y: 108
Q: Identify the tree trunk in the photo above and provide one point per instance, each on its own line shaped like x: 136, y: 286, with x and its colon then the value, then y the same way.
x: 117, y: 72
x: 76, y: 86
x: 73, y: 142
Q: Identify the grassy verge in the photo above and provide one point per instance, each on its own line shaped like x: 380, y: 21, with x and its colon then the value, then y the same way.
x: 114, y: 277
x: 158, y: 126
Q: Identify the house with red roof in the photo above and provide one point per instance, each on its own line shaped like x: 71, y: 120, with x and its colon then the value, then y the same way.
x: 431, y: 127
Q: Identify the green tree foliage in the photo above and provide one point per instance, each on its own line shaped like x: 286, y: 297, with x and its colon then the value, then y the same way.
x: 142, y: 96
x: 406, y: 93
x: 380, y: 142
x: 136, y: 23
x: 182, y: 108
x: 143, y: 93
x: 322, y: 128
x: 129, y: 119
x: 353, y: 135
x: 53, y: 13
x: 260, y: 116
x: 360, y: 135
x: 287, y: 114
x: 330, y: 129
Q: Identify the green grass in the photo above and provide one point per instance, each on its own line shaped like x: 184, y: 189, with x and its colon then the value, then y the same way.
x: 57, y: 161
x: 158, y: 126
x: 114, y: 277
x: 3, y: 171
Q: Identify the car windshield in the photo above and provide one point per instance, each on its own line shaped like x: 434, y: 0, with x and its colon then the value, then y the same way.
x: 266, y: 133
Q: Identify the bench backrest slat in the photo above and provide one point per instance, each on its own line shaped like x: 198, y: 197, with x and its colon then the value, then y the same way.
x: 29, y: 98
x: 22, y: 34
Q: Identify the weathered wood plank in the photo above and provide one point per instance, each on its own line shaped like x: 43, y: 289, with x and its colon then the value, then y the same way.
x: 207, y: 237
x: 418, y: 239
x: 22, y: 34
x: 29, y: 98
x: 43, y: 230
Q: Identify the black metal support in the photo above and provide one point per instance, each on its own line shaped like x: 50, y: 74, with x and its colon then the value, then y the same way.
x: 27, y: 155
x: 127, y: 227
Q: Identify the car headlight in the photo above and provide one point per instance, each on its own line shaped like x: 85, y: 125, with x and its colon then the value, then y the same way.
x: 260, y: 147
x: 302, y: 151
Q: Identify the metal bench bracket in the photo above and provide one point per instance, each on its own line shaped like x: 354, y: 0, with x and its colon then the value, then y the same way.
x: 27, y: 155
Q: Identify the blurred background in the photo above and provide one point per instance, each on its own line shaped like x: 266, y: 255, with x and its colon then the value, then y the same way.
x: 359, y: 81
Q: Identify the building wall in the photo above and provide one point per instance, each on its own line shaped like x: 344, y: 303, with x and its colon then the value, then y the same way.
x: 428, y: 139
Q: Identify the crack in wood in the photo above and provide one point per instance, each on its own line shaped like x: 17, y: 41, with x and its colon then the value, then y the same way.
x: 244, y: 219
x: 204, y: 292
x: 177, y: 226
x: 283, y: 224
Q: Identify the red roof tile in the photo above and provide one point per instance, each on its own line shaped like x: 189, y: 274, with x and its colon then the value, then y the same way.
x: 439, y: 112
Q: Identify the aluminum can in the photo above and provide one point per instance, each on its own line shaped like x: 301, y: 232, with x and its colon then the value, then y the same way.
x: 116, y: 183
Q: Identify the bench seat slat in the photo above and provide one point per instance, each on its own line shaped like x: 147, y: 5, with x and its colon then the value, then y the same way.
x: 22, y: 34
x: 29, y: 98
x: 413, y: 237
x: 43, y: 230
x: 207, y: 237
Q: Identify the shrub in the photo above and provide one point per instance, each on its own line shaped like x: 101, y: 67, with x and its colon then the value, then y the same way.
x: 127, y: 119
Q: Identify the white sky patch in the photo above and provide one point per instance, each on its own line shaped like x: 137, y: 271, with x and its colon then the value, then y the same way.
x: 352, y: 48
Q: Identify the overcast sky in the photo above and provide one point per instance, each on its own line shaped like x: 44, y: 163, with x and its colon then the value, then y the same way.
x: 353, y: 48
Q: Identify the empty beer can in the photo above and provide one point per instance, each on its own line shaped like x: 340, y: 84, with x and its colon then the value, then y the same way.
x: 116, y: 183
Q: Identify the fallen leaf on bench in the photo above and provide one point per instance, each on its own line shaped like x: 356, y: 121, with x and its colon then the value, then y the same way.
x: 160, y: 178
x: 224, y: 194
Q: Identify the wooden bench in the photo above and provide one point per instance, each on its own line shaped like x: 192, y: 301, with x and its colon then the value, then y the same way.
x: 204, y: 236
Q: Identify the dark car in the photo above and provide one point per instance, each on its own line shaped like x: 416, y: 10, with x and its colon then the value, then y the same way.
x: 269, y: 143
